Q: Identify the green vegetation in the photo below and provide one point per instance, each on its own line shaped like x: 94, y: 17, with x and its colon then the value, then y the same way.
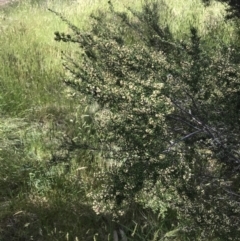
x: 135, y: 136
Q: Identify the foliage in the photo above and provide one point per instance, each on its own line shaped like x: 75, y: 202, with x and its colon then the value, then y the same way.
x: 169, y: 114
x: 233, y: 9
x: 48, y: 183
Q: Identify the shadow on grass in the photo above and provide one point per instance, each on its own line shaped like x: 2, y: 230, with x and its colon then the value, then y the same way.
x: 53, y: 220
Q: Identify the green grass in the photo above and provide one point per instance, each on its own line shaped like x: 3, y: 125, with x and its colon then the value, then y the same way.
x: 40, y: 199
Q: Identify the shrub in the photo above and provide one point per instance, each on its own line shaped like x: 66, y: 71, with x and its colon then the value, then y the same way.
x: 168, y: 113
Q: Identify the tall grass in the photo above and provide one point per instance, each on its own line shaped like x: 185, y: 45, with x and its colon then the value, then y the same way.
x: 30, y: 67
x: 45, y: 200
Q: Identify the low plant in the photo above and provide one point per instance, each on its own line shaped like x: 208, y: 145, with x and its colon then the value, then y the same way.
x: 168, y: 115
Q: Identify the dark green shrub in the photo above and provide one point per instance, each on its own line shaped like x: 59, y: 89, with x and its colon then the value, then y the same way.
x: 168, y: 113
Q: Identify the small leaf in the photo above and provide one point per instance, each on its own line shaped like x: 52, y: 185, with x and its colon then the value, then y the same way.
x: 26, y: 225
x: 172, y: 233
